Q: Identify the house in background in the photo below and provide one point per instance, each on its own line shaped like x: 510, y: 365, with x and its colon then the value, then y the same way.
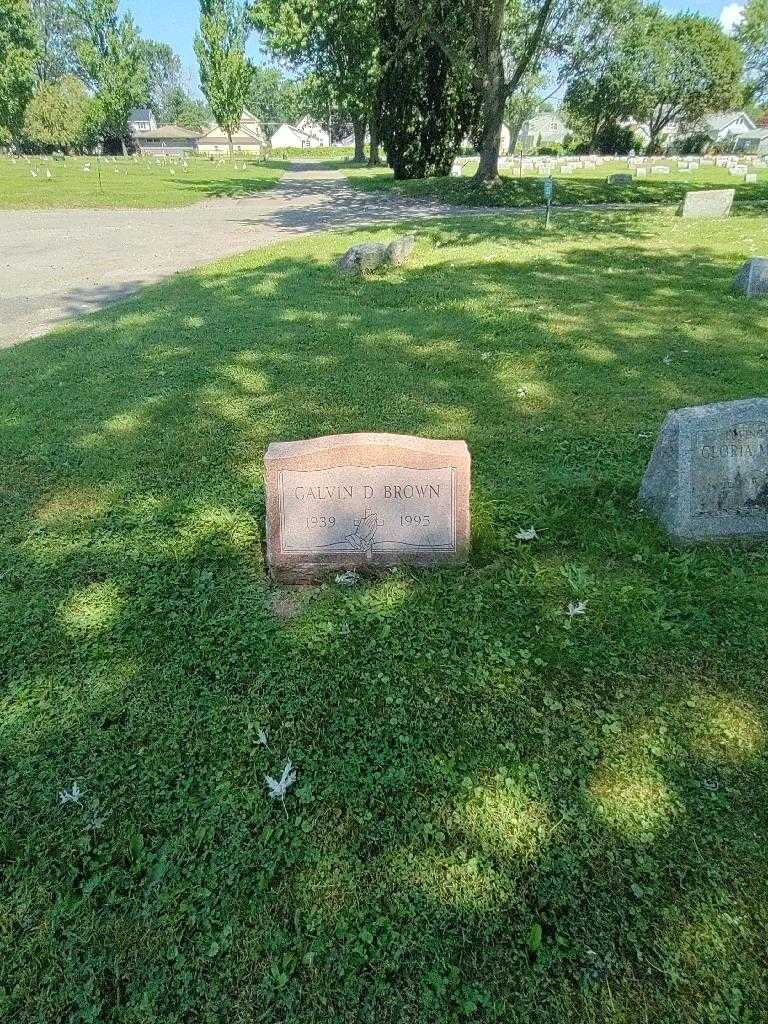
x: 166, y: 139
x: 720, y: 127
x: 349, y: 140
x: 141, y: 119
x: 315, y: 132
x: 755, y: 142
x: 288, y: 137
x: 248, y: 137
x: 542, y: 130
x: 307, y: 134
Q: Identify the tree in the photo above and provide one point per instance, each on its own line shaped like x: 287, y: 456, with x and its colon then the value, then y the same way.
x: 524, y: 104
x: 515, y: 39
x: 178, y: 107
x: 606, y: 90
x: 752, y: 34
x: 336, y: 41
x: 225, y: 72
x: 429, y: 99
x: 163, y: 72
x: 690, y: 68
x: 54, y: 39
x: 58, y: 115
x: 273, y: 98
x: 112, y: 60
x: 17, y: 63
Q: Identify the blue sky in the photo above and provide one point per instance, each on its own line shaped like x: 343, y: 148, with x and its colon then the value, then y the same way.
x: 175, y: 22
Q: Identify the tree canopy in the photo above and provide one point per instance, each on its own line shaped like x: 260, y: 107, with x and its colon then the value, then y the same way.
x: 18, y: 53
x: 225, y: 71
x: 430, y: 100
x: 752, y: 34
x: 59, y: 115
x: 689, y: 67
x: 112, y: 59
x: 336, y: 41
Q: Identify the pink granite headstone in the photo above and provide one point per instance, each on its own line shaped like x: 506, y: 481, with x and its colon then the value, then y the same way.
x: 365, y: 502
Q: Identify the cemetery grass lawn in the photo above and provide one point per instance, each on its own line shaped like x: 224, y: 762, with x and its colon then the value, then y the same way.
x: 576, y: 189
x: 124, y: 182
x: 502, y: 814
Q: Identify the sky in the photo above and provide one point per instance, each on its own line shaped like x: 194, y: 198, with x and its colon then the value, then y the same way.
x: 175, y: 22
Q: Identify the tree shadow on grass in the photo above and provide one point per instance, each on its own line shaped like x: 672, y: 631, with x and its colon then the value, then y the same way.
x: 501, y: 814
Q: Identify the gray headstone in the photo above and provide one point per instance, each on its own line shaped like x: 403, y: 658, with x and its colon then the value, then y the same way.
x: 752, y: 279
x: 708, y: 476
x: 620, y: 179
x: 714, y: 202
x: 369, y: 256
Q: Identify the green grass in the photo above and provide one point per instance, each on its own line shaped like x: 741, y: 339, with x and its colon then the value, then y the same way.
x: 138, y: 183
x: 578, y: 188
x: 502, y: 815
x: 341, y: 154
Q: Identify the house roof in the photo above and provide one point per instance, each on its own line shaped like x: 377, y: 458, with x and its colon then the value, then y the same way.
x: 310, y: 127
x: 758, y: 133
x: 140, y: 114
x: 717, y: 122
x: 545, y: 117
x: 167, y: 131
x: 248, y: 131
x: 300, y: 135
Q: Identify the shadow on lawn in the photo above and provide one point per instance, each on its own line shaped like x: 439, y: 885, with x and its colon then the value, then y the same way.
x: 497, y: 809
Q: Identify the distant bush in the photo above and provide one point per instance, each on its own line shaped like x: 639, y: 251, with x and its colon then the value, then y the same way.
x: 614, y: 138
x: 60, y: 116
x: 696, y: 142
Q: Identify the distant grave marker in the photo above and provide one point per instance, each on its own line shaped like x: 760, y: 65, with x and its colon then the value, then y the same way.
x: 365, y: 502
x: 714, y: 202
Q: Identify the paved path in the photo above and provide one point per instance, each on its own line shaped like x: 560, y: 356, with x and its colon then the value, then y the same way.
x: 55, y: 264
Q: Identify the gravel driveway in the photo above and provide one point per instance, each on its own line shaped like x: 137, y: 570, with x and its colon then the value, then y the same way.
x: 55, y: 264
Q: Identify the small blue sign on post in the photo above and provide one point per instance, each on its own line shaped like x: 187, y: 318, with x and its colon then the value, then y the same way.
x: 549, y: 189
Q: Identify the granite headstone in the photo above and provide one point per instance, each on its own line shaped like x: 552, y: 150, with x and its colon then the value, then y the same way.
x: 752, y: 279
x: 714, y: 202
x: 365, y: 502
x: 708, y: 476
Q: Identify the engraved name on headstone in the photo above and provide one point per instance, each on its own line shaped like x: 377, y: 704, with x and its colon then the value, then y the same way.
x: 708, y: 475
x: 364, y: 501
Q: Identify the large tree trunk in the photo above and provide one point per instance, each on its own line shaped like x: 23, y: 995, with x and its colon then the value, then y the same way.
x: 490, y: 142
x: 494, y: 95
x: 373, y: 156
x: 229, y: 140
x: 358, y: 127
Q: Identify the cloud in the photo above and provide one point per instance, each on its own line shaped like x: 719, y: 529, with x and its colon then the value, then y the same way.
x: 730, y: 16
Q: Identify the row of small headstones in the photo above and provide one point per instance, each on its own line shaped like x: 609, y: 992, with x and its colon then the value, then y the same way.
x: 736, y: 166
